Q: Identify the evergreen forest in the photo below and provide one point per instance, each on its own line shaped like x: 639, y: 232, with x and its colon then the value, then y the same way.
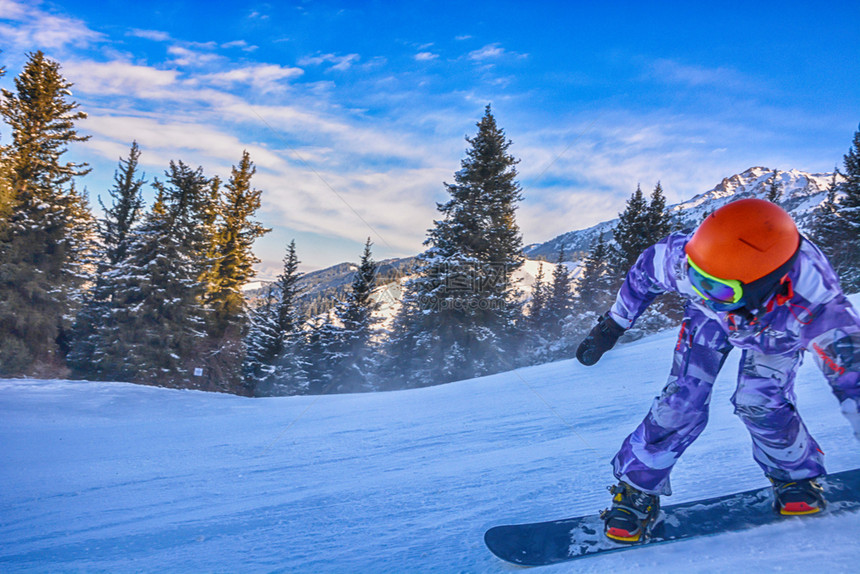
x: 154, y: 294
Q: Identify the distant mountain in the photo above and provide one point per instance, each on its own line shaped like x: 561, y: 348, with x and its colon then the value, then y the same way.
x: 321, y: 289
x: 801, y: 193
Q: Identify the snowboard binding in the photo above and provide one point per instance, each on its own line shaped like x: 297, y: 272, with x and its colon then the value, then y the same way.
x: 798, y: 497
x: 632, y: 516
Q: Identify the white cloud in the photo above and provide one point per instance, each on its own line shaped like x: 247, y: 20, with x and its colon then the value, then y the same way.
x: 154, y: 35
x: 340, y: 63
x: 488, y: 51
x: 492, y: 52
x: 184, y: 56
x: 241, y: 44
x: 10, y: 10
x: 32, y: 28
x: 263, y: 77
x: 425, y: 56
x: 120, y: 78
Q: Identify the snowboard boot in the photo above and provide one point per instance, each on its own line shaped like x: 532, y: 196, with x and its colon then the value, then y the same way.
x: 631, y: 515
x: 799, y: 497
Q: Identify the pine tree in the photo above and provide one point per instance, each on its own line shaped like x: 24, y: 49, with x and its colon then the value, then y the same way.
x: 47, y: 232
x: 659, y: 221
x: 538, y: 302
x: 276, y: 361
x: 534, y: 337
x: 594, y: 287
x: 7, y: 197
x: 560, y: 303
x: 774, y: 192
x: 157, y: 318
x: 354, y: 343
x: 632, y: 235
x: 461, y: 311
x: 262, y: 334
x: 323, y: 353
x: 849, y: 210
x: 115, y: 233
x: 640, y: 225
x: 234, y: 260
x: 668, y: 309
x: 124, y: 212
x: 230, y: 232
x: 828, y: 226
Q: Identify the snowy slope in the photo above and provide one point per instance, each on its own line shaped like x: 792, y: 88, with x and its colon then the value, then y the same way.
x: 117, y: 477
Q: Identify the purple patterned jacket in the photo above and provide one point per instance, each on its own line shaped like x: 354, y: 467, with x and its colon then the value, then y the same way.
x: 814, y: 315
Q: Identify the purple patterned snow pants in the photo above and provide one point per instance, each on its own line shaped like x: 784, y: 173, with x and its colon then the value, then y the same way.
x: 764, y: 400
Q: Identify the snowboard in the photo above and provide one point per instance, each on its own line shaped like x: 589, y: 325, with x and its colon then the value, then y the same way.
x: 543, y: 543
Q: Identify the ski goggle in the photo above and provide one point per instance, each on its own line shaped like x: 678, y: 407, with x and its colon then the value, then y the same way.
x: 728, y: 292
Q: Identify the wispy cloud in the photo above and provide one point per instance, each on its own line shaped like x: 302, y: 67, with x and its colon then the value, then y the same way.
x: 120, y: 78
x: 425, y: 56
x: 27, y: 27
x: 671, y: 71
x: 492, y: 52
x: 241, y: 44
x: 154, y: 35
x: 263, y: 78
x: 340, y: 63
x: 185, y: 56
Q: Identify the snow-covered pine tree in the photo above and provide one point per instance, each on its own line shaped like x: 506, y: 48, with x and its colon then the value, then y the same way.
x: 631, y: 235
x: 538, y: 301
x: 262, y: 330
x: 534, y: 336
x: 640, y: 225
x: 115, y: 233
x: 323, y: 353
x: 157, y: 318
x: 849, y: 209
x: 48, y: 230
x: 124, y: 213
x: 594, y: 286
x: 460, y: 313
x: 560, y: 303
x: 828, y: 226
x: 275, y: 362
x: 355, y: 314
x: 659, y: 221
x: 666, y: 309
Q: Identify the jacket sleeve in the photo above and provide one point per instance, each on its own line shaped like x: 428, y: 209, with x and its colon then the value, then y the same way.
x: 656, y: 271
x: 832, y: 335
x: 834, y: 341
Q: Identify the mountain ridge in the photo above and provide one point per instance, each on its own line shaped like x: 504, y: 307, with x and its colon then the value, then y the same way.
x: 801, y: 193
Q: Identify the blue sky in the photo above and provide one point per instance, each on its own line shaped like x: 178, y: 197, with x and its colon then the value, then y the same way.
x: 355, y: 112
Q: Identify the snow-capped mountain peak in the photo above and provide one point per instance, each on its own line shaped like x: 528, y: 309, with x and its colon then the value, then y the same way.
x: 800, y: 193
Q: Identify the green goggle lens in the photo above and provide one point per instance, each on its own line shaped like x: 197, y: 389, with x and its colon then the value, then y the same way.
x: 726, y: 291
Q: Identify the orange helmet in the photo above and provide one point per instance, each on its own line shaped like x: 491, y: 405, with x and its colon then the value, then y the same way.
x: 744, y: 240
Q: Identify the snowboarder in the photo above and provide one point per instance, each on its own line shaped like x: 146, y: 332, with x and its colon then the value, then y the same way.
x: 751, y: 281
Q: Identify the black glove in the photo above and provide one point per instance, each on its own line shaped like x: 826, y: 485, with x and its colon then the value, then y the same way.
x: 602, y: 337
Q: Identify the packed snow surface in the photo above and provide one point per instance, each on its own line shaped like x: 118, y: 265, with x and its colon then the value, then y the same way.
x: 117, y: 477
